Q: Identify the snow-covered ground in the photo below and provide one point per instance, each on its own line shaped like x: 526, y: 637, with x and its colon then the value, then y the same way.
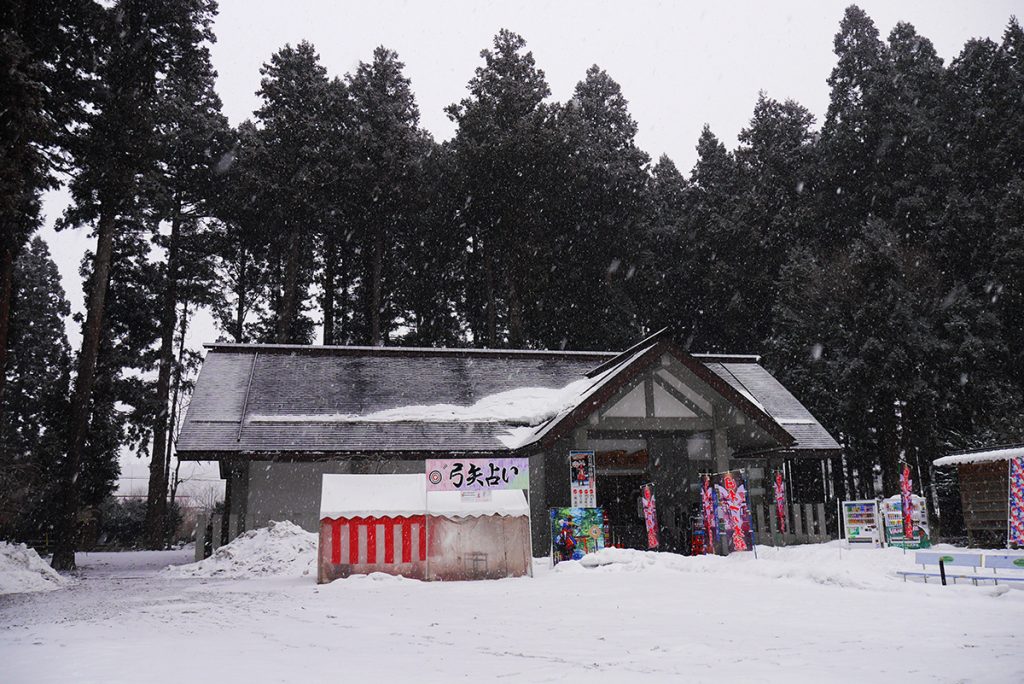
x: 801, y: 614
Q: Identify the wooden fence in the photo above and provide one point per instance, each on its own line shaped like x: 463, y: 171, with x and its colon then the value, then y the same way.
x: 208, y: 533
x: 805, y: 524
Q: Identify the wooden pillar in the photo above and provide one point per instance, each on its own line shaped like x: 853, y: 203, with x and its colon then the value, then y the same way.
x: 720, y: 442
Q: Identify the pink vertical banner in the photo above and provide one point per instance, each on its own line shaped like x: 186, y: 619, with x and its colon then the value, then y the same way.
x: 780, y: 501
x: 907, y: 503
x: 732, y: 496
x: 650, y: 515
x: 1015, y: 519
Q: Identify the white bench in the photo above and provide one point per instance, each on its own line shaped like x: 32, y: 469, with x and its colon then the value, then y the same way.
x: 975, y: 561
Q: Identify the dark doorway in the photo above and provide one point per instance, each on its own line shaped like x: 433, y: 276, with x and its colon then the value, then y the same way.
x: 618, y: 494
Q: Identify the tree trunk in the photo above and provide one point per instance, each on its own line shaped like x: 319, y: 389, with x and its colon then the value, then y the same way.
x: 890, y: 460
x: 290, y: 292
x: 173, y: 422
x: 492, y: 313
x: 156, y: 500
x: 6, y: 292
x: 328, y: 287
x: 241, y: 293
x: 515, y: 313
x: 378, y: 288
x: 342, y: 303
x: 65, y: 528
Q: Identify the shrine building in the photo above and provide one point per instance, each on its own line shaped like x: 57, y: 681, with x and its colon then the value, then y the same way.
x: 278, y: 417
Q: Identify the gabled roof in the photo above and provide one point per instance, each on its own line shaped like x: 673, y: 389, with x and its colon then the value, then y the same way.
x: 316, y: 401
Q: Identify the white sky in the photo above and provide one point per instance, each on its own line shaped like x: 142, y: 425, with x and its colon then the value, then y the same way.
x: 680, y: 64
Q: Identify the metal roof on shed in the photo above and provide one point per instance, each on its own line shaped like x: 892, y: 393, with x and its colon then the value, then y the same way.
x: 253, y: 399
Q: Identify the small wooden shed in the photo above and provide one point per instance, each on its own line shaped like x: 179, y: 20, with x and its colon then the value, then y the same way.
x: 391, y: 524
x: 372, y: 523
x: 983, y: 477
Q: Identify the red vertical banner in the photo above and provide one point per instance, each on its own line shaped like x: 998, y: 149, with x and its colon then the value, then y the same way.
x: 907, y: 503
x: 650, y: 515
x: 780, y: 501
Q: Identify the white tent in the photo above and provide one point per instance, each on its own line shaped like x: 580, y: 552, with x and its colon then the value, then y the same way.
x: 390, y: 523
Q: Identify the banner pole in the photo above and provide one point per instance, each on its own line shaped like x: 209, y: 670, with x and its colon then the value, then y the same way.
x: 1009, y: 499
x: 750, y: 521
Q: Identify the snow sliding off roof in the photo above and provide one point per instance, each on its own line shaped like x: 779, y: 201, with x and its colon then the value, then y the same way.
x: 285, y: 399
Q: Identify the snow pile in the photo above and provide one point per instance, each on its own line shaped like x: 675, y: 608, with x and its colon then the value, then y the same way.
x: 824, y: 564
x: 21, y: 569
x: 281, y: 548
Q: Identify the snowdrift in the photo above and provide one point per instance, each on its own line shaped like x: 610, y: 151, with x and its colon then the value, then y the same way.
x: 280, y: 549
x: 21, y: 570
x: 831, y: 563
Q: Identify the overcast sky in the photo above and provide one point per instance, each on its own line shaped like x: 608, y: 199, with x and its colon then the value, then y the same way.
x: 680, y: 65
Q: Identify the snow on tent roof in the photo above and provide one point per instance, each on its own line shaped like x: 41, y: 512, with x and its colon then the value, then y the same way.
x: 987, y: 455
x: 502, y: 502
x: 360, y: 496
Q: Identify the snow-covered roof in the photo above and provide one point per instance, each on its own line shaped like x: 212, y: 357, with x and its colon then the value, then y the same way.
x: 360, y: 496
x: 982, y: 456
x: 308, y: 400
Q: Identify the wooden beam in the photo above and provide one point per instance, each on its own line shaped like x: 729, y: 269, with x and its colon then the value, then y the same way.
x: 679, y: 396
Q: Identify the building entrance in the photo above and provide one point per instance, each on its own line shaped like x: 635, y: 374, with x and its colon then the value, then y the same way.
x: 620, y: 475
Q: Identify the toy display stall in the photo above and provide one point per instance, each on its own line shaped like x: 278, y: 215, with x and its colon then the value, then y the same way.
x: 372, y: 523
x: 478, y: 535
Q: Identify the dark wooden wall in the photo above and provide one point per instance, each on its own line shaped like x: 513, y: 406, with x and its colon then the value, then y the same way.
x: 983, y: 493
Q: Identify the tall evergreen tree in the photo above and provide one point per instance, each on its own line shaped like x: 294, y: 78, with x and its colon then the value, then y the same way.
x: 387, y: 149
x: 857, y: 139
x: 664, y: 289
x: 295, y: 172
x: 595, y: 215
x: 716, y: 304
x: 774, y: 211
x: 192, y: 134
x: 115, y: 159
x: 36, y: 402
x: 499, y: 150
x: 46, y: 61
x: 239, y: 244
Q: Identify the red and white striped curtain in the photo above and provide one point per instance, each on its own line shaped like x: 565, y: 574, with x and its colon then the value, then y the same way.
x: 375, y: 541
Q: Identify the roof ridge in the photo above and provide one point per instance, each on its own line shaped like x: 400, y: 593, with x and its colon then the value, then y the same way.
x: 400, y: 351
